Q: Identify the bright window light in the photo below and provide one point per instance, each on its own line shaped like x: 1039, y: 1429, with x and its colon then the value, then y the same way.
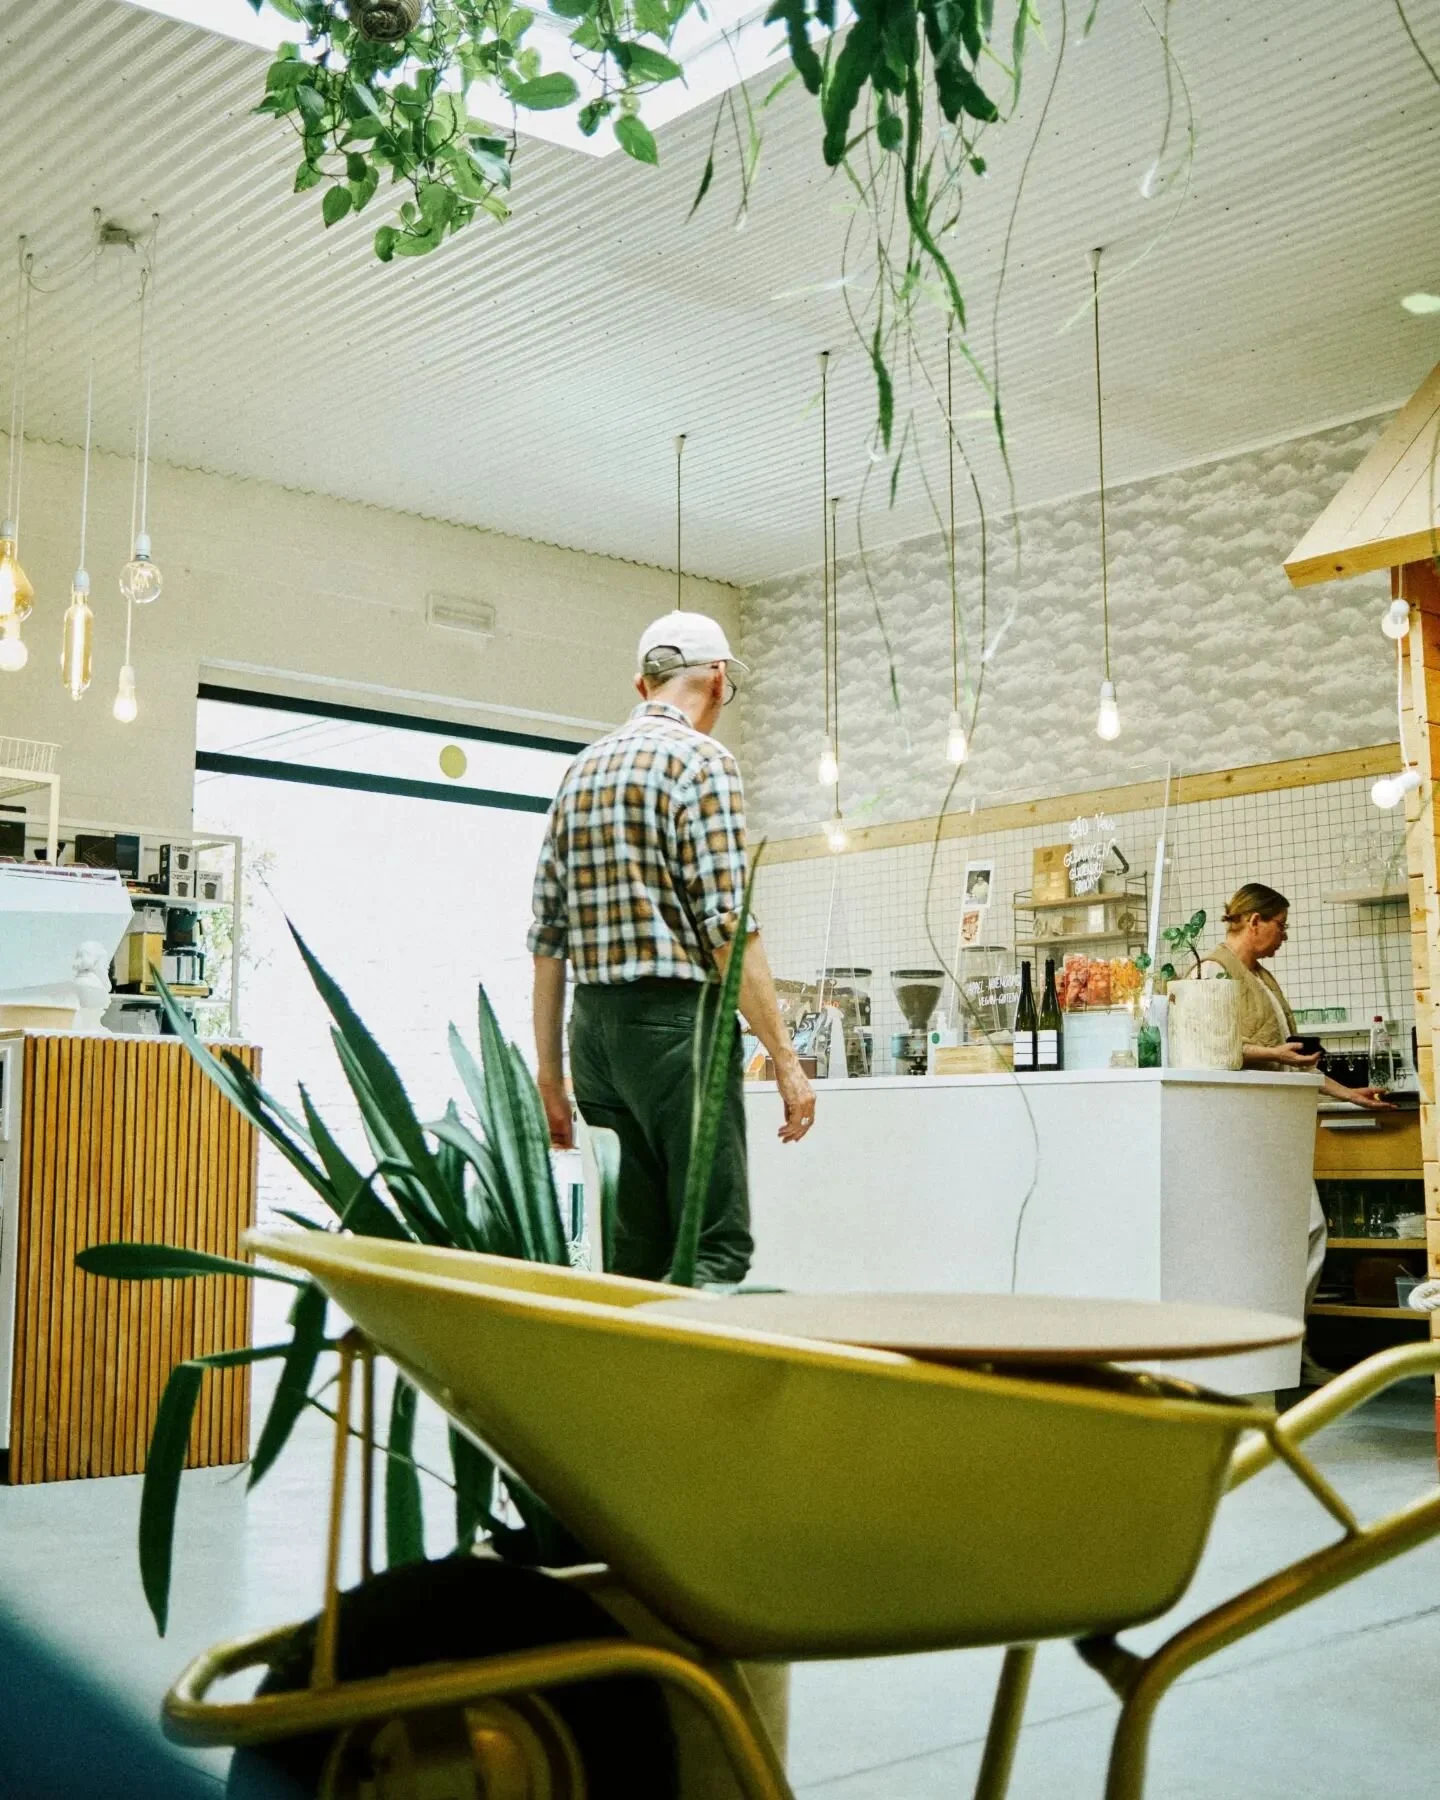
x: 717, y: 50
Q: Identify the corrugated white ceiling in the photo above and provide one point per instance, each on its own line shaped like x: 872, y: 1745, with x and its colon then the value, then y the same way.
x: 531, y: 377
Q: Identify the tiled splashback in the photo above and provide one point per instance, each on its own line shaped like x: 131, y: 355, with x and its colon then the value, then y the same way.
x: 869, y: 907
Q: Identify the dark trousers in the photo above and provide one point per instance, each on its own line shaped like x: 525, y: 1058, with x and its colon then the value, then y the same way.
x: 631, y: 1062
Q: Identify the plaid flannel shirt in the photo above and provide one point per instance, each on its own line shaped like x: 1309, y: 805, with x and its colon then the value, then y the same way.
x: 642, y: 871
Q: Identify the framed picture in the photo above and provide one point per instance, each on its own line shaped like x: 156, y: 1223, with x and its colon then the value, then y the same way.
x: 970, y: 921
x: 979, y: 880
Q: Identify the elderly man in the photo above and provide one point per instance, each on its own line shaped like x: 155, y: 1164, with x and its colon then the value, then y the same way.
x: 639, y: 888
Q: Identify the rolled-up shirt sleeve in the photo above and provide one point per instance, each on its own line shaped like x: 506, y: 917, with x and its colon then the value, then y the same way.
x: 710, y: 838
x: 550, y: 931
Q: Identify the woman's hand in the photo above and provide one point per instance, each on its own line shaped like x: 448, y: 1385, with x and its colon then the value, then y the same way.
x: 1372, y: 1099
x: 1280, y: 1056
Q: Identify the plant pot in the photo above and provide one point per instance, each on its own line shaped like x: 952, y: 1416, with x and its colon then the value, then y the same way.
x: 1205, y: 1025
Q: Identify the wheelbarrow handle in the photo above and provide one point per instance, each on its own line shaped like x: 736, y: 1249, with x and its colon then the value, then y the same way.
x: 1333, y: 1401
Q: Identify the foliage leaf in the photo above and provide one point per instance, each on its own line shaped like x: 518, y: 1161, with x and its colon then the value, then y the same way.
x: 160, y: 1490
x: 545, y: 93
x: 167, y: 1262
x: 636, y: 138
x: 404, y: 1520
x: 337, y: 202
x: 307, y: 1323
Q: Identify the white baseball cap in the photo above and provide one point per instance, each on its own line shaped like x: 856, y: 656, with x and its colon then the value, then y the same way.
x: 694, y: 638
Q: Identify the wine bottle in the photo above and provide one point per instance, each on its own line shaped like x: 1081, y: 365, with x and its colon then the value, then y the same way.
x: 1049, y: 1029
x: 1025, y: 1024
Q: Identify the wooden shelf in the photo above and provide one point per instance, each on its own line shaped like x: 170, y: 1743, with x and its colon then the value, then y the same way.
x: 1084, y: 937
x: 1375, y: 1243
x: 1330, y: 1309
x: 1093, y: 899
x: 1368, y: 897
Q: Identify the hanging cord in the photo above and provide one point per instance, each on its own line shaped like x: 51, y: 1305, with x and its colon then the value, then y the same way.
x: 679, y: 564
x: 142, y: 415
x: 954, y: 592
x: 18, y: 392
x: 1100, y: 439
x: 147, y: 355
x: 833, y: 553
x: 825, y: 529
x: 89, y: 414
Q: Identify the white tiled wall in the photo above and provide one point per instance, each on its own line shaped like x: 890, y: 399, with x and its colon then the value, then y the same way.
x: 870, y: 907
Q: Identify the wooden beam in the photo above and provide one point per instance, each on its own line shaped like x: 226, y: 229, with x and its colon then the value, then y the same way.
x: 1388, y: 512
x: 1137, y: 796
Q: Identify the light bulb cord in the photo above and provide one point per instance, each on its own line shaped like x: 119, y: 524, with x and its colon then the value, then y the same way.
x: 142, y: 409
x: 147, y: 354
x: 950, y: 469
x: 825, y: 533
x: 679, y: 516
x: 17, y: 391
x: 89, y: 415
x: 1100, y: 445
x: 835, y: 626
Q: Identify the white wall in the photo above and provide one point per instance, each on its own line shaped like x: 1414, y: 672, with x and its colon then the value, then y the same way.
x: 1218, y: 661
x: 262, y: 575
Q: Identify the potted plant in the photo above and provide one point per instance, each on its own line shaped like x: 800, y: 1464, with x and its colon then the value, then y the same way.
x: 1204, y: 1030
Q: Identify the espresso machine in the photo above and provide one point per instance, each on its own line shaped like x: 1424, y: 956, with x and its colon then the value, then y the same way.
x: 917, y: 994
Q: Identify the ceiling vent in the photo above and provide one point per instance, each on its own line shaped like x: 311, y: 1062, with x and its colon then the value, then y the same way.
x: 459, y: 612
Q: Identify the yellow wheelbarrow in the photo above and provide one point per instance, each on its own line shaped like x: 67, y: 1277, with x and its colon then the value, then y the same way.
x: 752, y: 1498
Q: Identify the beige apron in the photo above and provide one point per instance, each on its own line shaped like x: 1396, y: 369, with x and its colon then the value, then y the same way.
x: 1266, y: 1019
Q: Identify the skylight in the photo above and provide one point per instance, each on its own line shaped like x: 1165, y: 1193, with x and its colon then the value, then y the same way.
x: 726, y: 45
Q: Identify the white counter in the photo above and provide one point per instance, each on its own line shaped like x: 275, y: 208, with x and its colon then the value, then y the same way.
x: 1155, y: 1184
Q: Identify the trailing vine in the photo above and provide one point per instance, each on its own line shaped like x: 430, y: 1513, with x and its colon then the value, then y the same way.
x: 387, y: 87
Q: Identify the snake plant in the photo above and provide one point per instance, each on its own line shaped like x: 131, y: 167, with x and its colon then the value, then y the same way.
x: 480, y: 1183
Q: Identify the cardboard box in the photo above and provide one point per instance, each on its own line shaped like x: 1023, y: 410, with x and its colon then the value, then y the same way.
x: 136, y: 960
x: 971, y: 1059
x: 1050, y: 879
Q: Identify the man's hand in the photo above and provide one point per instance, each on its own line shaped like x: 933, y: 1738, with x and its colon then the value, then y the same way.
x: 798, y: 1098
x: 559, y: 1114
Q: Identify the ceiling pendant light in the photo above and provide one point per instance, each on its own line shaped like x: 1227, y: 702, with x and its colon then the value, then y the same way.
x: 17, y: 596
x: 1396, y: 621
x: 957, y: 742
x: 827, y: 771
x: 13, y: 653
x: 78, y: 627
x: 140, y: 580
x: 1107, y: 720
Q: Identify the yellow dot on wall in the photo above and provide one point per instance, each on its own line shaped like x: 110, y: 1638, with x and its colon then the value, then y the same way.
x: 453, y: 762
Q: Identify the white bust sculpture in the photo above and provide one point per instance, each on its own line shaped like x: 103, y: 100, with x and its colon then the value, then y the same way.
x: 91, y: 973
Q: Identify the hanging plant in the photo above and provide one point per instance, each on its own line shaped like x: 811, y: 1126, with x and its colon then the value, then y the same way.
x: 384, y: 87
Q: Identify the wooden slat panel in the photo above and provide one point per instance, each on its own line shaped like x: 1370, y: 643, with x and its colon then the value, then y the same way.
x: 123, y: 1139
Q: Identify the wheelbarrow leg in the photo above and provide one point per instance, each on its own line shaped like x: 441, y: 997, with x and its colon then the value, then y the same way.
x: 1005, y: 1717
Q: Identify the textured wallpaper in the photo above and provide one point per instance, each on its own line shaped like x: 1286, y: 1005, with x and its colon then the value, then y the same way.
x: 1218, y: 662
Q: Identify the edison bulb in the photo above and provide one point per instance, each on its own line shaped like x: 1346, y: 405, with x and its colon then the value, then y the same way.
x: 1396, y: 623
x: 835, y: 835
x: 126, y: 706
x: 1107, y: 723
x: 828, y: 771
x: 1390, y: 790
x: 16, y: 594
x: 13, y: 654
x: 957, y: 745
x: 79, y: 629
x: 140, y: 580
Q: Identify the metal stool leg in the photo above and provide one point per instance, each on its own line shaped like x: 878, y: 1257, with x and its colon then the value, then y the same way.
x: 1005, y: 1718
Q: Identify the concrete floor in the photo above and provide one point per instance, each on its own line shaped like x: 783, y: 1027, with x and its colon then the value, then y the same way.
x: 1335, y: 1703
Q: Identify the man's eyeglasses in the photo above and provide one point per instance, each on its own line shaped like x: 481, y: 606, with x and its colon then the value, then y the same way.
x: 666, y: 660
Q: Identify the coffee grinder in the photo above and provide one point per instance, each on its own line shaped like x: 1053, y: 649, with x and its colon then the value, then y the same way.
x: 917, y: 993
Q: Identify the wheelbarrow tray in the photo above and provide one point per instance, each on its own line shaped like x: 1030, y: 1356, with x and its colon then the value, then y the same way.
x: 782, y: 1498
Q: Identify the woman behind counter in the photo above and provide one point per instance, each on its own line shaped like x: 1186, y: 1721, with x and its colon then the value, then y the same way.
x: 1256, y: 920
